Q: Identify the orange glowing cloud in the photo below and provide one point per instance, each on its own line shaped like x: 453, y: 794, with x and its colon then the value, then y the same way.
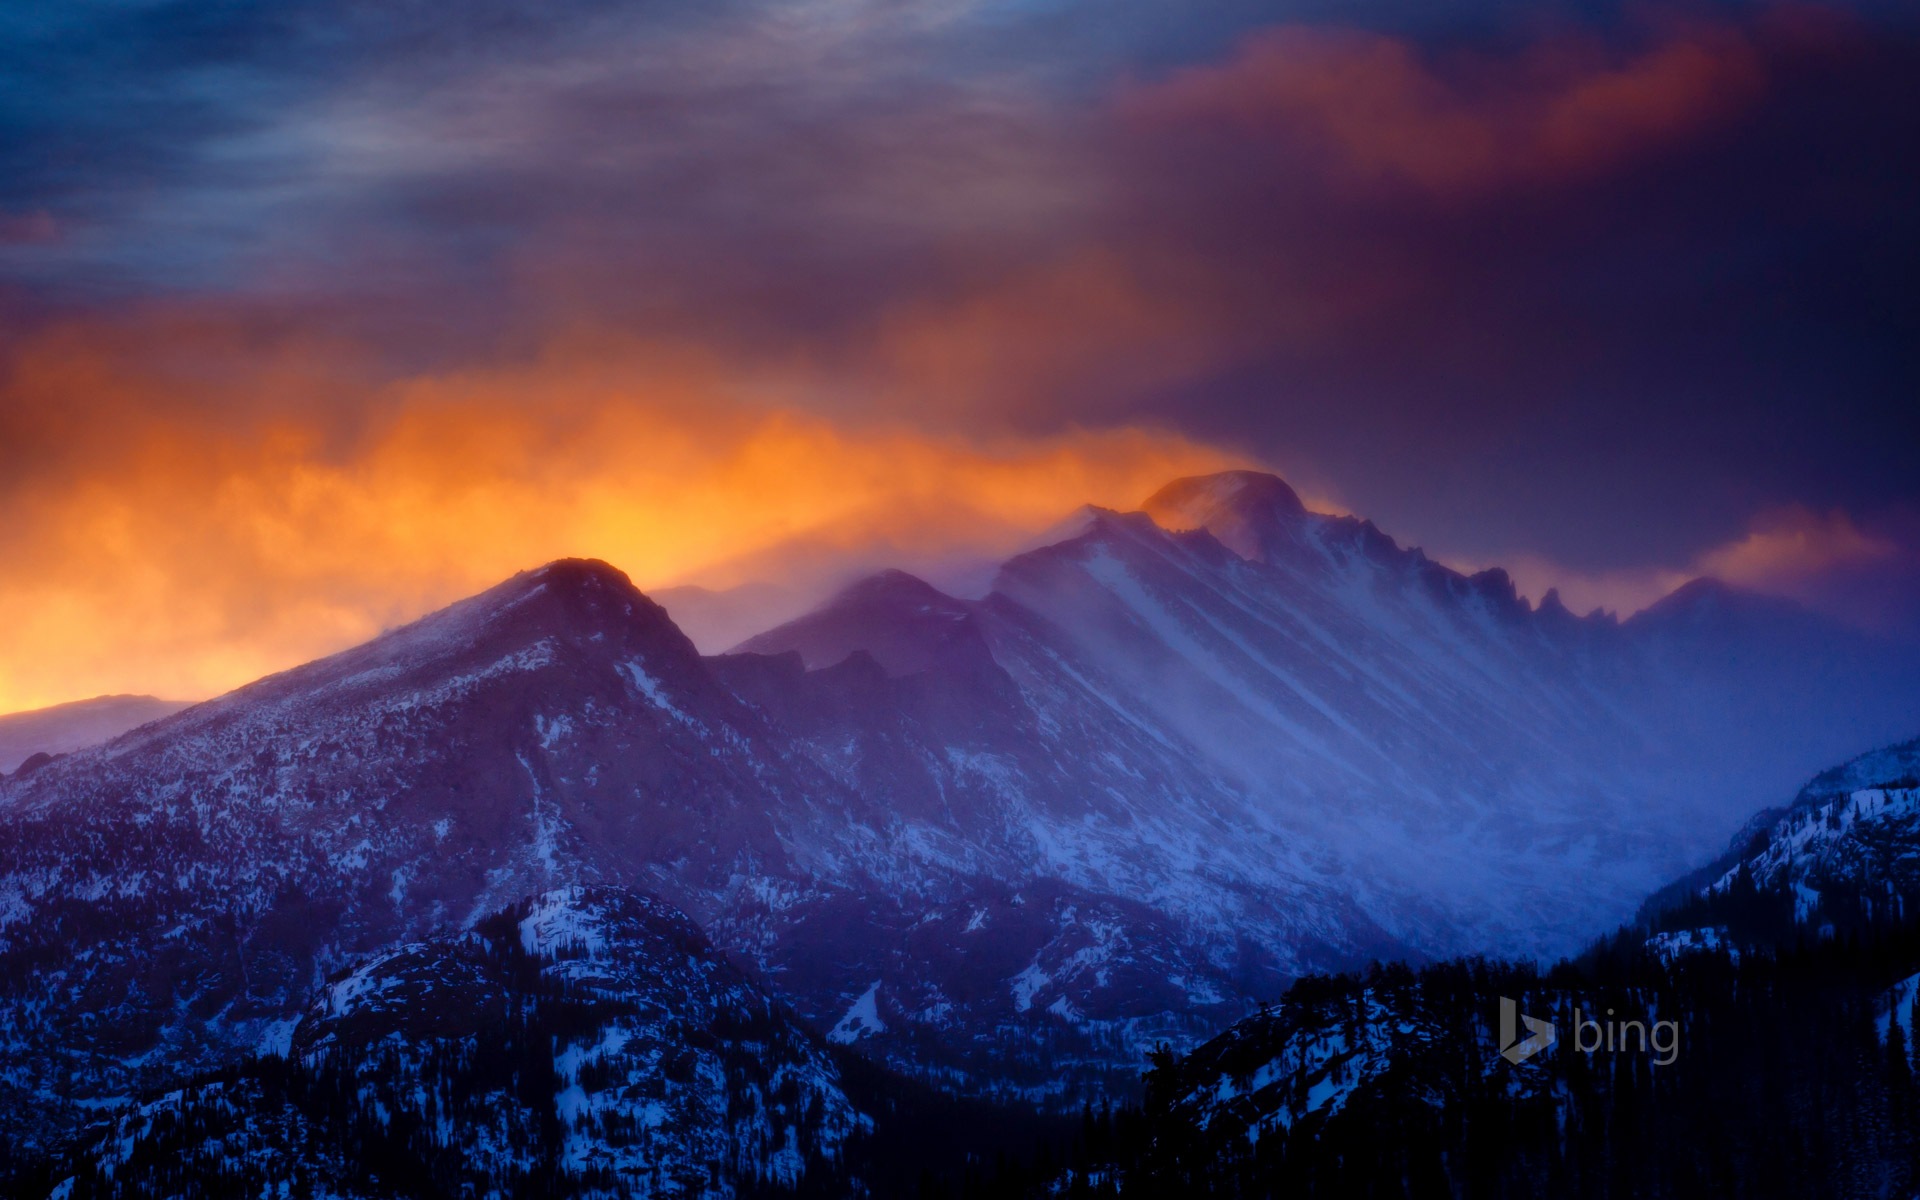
x: 1787, y: 545
x: 1090, y: 327
x: 1378, y: 109
x: 1790, y: 551
x: 182, y: 532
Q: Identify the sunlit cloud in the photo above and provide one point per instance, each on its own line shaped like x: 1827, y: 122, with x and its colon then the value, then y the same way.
x: 1791, y: 544
x: 1825, y: 560
x: 376, y: 306
x: 187, y: 554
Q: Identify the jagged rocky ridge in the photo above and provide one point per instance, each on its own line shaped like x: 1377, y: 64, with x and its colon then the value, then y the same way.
x: 1003, y: 844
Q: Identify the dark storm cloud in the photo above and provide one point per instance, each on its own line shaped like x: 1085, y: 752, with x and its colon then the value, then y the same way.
x: 777, y: 165
x: 1595, y: 284
x: 1618, y: 348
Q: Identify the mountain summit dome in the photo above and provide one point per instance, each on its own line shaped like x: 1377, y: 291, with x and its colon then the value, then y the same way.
x: 1243, y: 509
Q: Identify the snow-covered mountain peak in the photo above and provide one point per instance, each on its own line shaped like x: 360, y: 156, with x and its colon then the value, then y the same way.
x: 1198, y: 499
x: 896, y: 587
x: 563, y: 624
x: 560, y: 621
x: 1710, y: 602
x: 906, y: 624
x: 1245, y: 510
x: 568, y: 597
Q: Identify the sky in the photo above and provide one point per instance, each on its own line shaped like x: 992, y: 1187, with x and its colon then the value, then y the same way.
x: 316, y: 314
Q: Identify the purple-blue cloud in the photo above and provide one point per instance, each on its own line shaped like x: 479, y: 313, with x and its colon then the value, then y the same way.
x: 1600, y: 291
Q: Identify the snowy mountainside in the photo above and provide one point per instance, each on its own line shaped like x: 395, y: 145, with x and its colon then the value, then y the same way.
x: 1863, y: 843
x: 1305, y: 707
x: 1844, y: 855
x: 1039, y: 901
x: 167, y: 901
x: 1439, y: 749
x: 1003, y: 845
x: 588, y: 1042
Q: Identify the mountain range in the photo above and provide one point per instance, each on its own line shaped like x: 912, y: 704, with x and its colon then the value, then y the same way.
x: 1003, y: 846
x: 588, y: 1042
